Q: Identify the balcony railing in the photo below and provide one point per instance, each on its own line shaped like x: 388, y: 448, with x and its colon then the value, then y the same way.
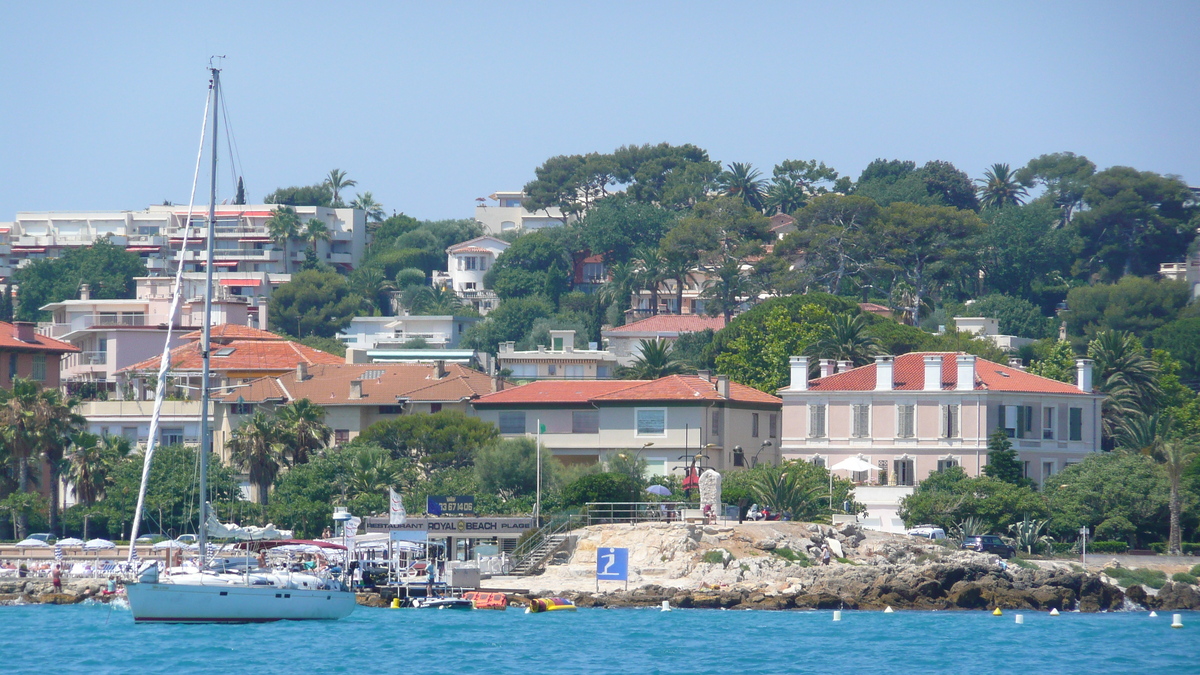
x: 93, y: 358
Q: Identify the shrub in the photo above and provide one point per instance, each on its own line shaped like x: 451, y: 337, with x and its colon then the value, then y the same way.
x: 1108, y: 547
x: 1191, y: 547
x: 1195, y: 571
x: 1143, y: 576
x: 793, y: 556
x: 1159, y: 547
x: 1025, y: 564
x: 600, y: 487
x: 1184, y: 577
x: 716, y: 557
x: 1064, y: 546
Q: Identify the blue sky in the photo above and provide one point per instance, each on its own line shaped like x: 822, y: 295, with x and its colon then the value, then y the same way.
x: 430, y: 105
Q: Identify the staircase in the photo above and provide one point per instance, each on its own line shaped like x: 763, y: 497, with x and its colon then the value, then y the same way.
x: 532, y: 557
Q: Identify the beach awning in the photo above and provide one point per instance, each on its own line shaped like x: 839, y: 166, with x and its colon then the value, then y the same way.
x: 853, y: 464
x: 241, y: 282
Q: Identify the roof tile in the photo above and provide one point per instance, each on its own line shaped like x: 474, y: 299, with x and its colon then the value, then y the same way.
x: 909, y: 375
x: 672, y: 323
x: 670, y: 388
x: 384, y: 384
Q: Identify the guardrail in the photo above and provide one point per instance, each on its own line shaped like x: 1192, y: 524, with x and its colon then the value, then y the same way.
x: 602, y: 513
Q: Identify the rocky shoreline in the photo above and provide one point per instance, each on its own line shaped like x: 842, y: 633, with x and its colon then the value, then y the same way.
x: 40, y: 591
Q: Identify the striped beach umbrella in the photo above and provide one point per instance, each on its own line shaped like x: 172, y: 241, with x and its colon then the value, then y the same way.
x: 58, y: 552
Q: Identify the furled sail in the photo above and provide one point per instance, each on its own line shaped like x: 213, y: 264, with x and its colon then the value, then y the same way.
x: 219, y: 530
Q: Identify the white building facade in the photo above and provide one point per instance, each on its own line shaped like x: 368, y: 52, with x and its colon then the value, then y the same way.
x: 508, y: 215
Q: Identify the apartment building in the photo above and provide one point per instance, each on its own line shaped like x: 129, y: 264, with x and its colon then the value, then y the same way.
x: 440, y: 331
x: 508, y: 215
x: 466, y: 265
x: 558, y: 360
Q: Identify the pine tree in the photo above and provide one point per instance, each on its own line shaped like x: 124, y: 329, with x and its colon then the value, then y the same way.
x: 6, y: 304
x: 1002, y: 460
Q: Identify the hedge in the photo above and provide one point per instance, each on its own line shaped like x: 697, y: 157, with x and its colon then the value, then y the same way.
x: 1108, y: 547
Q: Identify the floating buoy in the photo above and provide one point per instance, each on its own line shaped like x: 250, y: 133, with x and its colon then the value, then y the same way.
x: 997, y: 612
x: 666, y: 606
x: 837, y: 615
x: 1020, y: 619
x: 1054, y: 612
x: 1153, y: 615
x: 1176, y: 621
x: 395, y: 603
x: 888, y: 610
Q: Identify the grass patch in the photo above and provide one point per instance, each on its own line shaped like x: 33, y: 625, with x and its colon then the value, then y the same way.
x: 791, y: 556
x: 927, y: 557
x: 846, y: 561
x: 715, y: 557
x: 1184, y: 577
x: 744, y: 567
x: 1024, y: 564
x: 1143, y: 576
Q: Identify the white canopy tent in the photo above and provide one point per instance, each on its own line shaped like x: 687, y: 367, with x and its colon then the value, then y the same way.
x: 851, y: 464
x: 98, y: 544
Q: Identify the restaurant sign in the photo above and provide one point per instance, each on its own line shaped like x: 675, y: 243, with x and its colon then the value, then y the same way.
x: 454, y: 505
x: 455, y: 527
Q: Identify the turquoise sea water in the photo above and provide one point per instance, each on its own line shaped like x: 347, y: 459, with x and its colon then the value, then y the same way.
x: 96, y: 639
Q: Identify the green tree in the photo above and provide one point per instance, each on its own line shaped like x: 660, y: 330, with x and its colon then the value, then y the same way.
x: 314, y: 303
x: 302, y: 427
x: 727, y: 288
x: 999, y: 188
x: 90, y: 462
x: 655, y: 359
x: 511, y: 321
x: 1110, y: 485
x: 1056, y: 363
x: 1155, y: 437
x: 1127, y: 377
x: 508, y: 468
x: 366, y: 202
x: 950, y: 497
x: 1016, y: 315
x: 537, y: 262
x: 1064, y: 175
x: 283, y: 226
x: 744, y: 182
x: 925, y: 243
x: 1134, y: 220
x: 370, y: 283
x: 649, y: 272
x: 1182, y: 339
x: 35, y: 427
x: 848, y: 339
x: 947, y: 182
x: 257, y: 448
x: 1022, y: 254
x: 306, y: 195
x: 446, y: 439
x: 618, y: 224
x: 315, y: 231
x: 832, y: 231
x: 758, y: 355
x: 337, y: 181
x: 599, y: 487
x: 372, y: 472
x: 1135, y: 304
x: 108, y: 270
x: 784, y: 488
x: 795, y: 181
x: 1003, y: 463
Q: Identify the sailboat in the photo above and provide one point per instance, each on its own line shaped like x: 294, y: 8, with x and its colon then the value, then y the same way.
x: 220, y: 591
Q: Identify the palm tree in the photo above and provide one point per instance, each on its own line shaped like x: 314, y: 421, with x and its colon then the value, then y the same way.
x: 679, y: 269
x: 35, y: 425
x: 782, y: 490
x: 428, y: 300
x: 726, y: 289
x: 622, y: 277
x: 366, y: 202
x: 649, y: 263
x: 999, y: 188
x: 90, y: 461
x: 255, y: 448
x: 745, y: 182
x: 370, y: 283
x: 847, y: 340
x: 655, y: 360
x: 784, y: 196
x: 337, y: 181
x: 1127, y: 377
x: 315, y: 230
x: 302, y: 423
x: 371, y: 473
x: 1155, y: 437
x: 282, y: 227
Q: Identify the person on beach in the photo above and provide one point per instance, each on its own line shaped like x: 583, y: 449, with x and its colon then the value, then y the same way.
x: 111, y: 588
x: 56, y: 579
x: 430, y: 577
x: 825, y: 554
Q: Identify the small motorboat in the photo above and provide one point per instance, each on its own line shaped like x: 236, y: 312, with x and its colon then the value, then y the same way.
x: 539, y: 605
x: 443, y: 603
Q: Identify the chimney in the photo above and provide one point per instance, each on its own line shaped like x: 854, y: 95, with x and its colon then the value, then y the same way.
x: 1016, y: 363
x: 933, y: 372
x: 24, y: 331
x: 723, y: 386
x: 705, y: 375
x: 497, y: 383
x: 826, y: 367
x: 844, y: 366
x: 506, y: 347
x: 301, y: 371
x: 439, y: 369
x: 356, y: 389
x: 966, y: 372
x: 1083, y: 374
x: 885, y: 370
x: 799, y: 366
x: 85, y: 292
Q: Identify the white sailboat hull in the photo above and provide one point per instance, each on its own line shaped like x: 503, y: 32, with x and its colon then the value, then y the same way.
x: 188, y: 603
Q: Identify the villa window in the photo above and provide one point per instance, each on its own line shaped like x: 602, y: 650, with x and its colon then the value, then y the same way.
x: 585, y: 422
x: 573, y: 371
x: 12, y: 367
x: 1048, y: 423
x: 512, y: 422
x: 552, y: 370
x: 772, y: 425
x: 816, y: 420
x: 944, y: 464
x: 1076, y: 424
x: 602, y: 372
x: 39, y: 367
x: 171, y: 436
x: 950, y: 421
x: 341, y: 436
x: 907, y: 421
x: 651, y: 421
x: 714, y: 428
x: 435, y: 408
x: 390, y: 409
x: 862, y: 420
x: 817, y: 460
x: 241, y: 409
x: 754, y: 425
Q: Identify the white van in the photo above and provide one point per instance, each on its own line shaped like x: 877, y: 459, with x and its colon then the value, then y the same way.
x: 928, y: 531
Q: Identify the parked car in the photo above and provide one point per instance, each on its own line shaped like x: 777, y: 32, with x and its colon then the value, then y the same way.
x: 47, y: 537
x: 989, y: 543
x: 928, y: 531
x: 187, y: 539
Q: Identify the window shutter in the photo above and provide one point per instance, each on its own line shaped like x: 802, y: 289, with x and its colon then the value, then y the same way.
x: 1020, y: 421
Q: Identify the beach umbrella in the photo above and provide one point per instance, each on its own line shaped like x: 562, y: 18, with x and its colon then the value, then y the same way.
x: 166, y: 544
x: 32, y: 543
x: 853, y: 464
x: 98, y: 544
x: 70, y: 542
x: 659, y: 490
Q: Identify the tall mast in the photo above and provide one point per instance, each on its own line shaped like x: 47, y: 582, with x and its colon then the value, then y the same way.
x: 206, y: 342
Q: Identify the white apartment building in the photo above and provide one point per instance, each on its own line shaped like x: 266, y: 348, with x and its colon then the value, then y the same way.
x: 466, y: 265
x: 559, y: 360
x: 392, y: 332
x: 242, y: 241
x: 507, y: 215
x: 1187, y: 271
x: 989, y: 329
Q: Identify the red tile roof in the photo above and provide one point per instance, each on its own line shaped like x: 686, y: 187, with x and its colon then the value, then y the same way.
x: 39, y: 343
x: 232, y: 331
x: 329, y: 384
x: 246, y: 355
x: 909, y: 375
x: 665, y: 389
x: 781, y: 220
x: 672, y: 323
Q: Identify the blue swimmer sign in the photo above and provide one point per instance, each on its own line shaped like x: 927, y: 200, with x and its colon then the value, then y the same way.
x: 612, y: 564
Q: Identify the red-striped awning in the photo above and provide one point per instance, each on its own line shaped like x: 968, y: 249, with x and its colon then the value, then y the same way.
x: 241, y: 282
x: 142, y: 249
x: 28, y: 250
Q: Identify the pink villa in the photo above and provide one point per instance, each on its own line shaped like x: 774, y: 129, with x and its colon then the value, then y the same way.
x: 918, y: 413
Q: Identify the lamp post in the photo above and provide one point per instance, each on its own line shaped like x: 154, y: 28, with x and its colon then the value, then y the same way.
x: 765, y: 444
x: 86, y: 516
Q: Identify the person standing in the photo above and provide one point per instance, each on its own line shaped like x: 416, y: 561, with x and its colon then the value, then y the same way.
x: 430, y: 577
x: 56, y: 578
x: 825, y: 554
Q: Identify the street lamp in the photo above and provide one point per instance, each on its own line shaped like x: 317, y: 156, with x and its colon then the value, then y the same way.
x: 86, y: 516
x: 765, y: 444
